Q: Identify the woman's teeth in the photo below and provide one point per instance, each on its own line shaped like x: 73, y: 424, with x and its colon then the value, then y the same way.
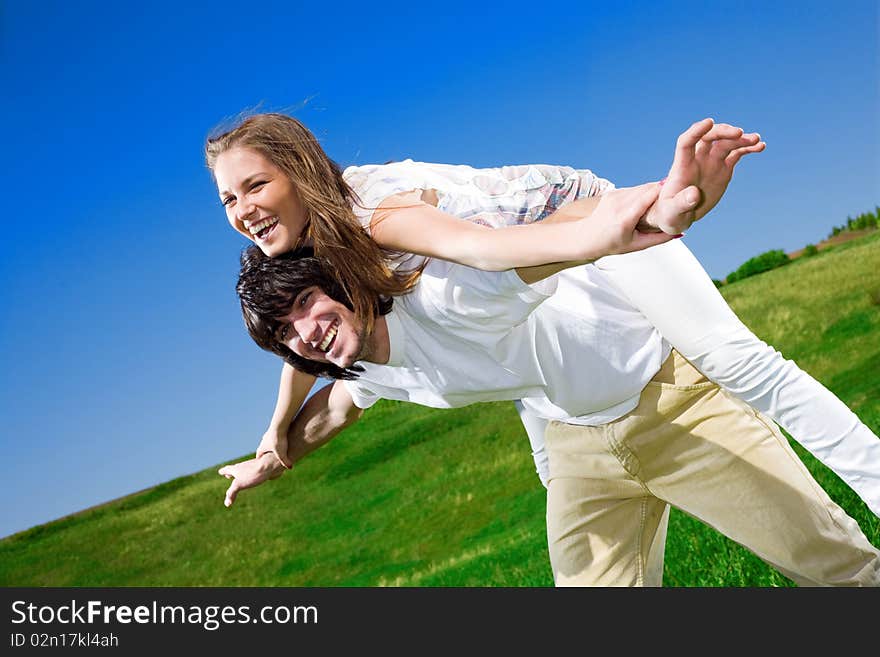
x: 328, y: 338
x: 261, y: 226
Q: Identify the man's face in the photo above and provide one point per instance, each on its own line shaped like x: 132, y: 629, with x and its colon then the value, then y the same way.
x: 321, y: 329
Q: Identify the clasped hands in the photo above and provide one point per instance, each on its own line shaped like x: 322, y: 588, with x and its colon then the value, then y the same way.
x: 250, y: 473
x: 705, y: 156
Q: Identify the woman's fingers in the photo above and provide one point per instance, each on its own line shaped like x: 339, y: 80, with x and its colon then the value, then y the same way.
x: 735, y: 155
x: 722, y: 138
x: 676, y: 214
x: 647, y: 240
x: 723, y: 131
x: 688, y: 198
x: 643, y: 197
x: 721, y: 148
x: 689, y: 138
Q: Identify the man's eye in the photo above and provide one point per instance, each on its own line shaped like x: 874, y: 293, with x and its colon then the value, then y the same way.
x: 304, y: 298
x: 282, y: 333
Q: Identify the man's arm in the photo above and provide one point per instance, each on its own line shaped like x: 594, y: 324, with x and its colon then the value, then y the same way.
x: 317, y: 423
x: 324, y: 415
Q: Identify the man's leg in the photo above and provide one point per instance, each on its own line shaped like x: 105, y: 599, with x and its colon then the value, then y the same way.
x: 603, y: 527
x: 652, y: 566
x: 707, y: 453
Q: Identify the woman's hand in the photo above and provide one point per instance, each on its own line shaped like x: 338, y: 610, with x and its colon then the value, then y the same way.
x: 613, y: 227
x: 248, y: 474
x: 274, y: 441
x: 705, y: 155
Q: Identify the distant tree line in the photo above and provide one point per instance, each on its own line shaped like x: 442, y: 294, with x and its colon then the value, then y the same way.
x: 778, y: 257
x: 863, y: 221
x: 759, y: 264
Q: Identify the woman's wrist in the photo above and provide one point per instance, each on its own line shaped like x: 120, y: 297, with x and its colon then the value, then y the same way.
x: 275, y: 437
x: 585, y: 243
x: 279, y: 426
x: 272, y: 464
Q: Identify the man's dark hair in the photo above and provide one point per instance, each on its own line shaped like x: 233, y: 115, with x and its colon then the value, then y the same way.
x: 267, y: 288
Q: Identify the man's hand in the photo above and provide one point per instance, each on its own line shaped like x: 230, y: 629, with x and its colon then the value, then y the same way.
x: 250, y: 473
x: 274, y: 441
x: 705, y: 155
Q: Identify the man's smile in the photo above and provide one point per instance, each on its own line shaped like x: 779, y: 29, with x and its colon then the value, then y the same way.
x: 329, y: 337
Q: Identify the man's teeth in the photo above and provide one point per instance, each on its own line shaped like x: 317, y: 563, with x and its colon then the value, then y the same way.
x: 328, y: 338
x: 265, y: 223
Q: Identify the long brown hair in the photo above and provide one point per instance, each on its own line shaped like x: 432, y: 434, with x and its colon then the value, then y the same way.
x: 354, y: 259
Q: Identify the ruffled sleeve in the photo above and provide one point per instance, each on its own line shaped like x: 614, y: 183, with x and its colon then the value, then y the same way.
x: 373, y: 183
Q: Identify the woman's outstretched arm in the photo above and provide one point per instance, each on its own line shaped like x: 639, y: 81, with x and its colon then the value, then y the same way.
x: 293, y: 388
x: 323, y: 416
x: 675, y: 293
x: 705, y: 155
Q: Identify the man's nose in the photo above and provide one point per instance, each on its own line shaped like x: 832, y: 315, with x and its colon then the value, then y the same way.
x: 306, y: 328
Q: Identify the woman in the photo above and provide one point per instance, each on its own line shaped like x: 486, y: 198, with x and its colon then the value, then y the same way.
x: 281, y: 190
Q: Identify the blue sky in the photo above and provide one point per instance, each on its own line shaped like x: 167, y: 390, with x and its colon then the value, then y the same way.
x: 124, y: 359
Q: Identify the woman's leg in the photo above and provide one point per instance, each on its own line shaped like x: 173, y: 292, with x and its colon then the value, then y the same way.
x: 670, y: 287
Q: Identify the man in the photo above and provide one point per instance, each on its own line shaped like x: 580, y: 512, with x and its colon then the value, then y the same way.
x: 634, y: 424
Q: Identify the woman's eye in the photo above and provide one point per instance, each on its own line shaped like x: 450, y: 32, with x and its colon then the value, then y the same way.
x: 226, y: 201
x: 282, y: 333
x: 257, y: 185
x: 304, y: 298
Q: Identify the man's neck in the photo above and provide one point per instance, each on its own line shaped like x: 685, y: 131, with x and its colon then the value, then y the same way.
x: 378, y: 343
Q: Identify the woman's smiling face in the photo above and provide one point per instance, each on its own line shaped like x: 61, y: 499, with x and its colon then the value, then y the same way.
x: 260, y: 200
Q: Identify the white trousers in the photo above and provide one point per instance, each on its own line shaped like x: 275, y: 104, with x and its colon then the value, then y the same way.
x: 670, y: 287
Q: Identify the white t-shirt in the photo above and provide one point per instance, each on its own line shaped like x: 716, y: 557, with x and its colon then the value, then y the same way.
x: 570, y: 347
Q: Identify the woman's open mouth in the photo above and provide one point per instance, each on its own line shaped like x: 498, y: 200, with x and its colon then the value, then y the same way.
x: 264, y: 228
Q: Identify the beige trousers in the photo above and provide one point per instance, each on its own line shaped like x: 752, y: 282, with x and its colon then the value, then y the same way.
x: 691, y: 445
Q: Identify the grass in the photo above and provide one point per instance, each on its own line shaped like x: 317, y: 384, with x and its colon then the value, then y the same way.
x: 413, y: 496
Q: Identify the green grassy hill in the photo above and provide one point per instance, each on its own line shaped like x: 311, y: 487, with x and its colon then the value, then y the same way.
x: 413, y: 496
